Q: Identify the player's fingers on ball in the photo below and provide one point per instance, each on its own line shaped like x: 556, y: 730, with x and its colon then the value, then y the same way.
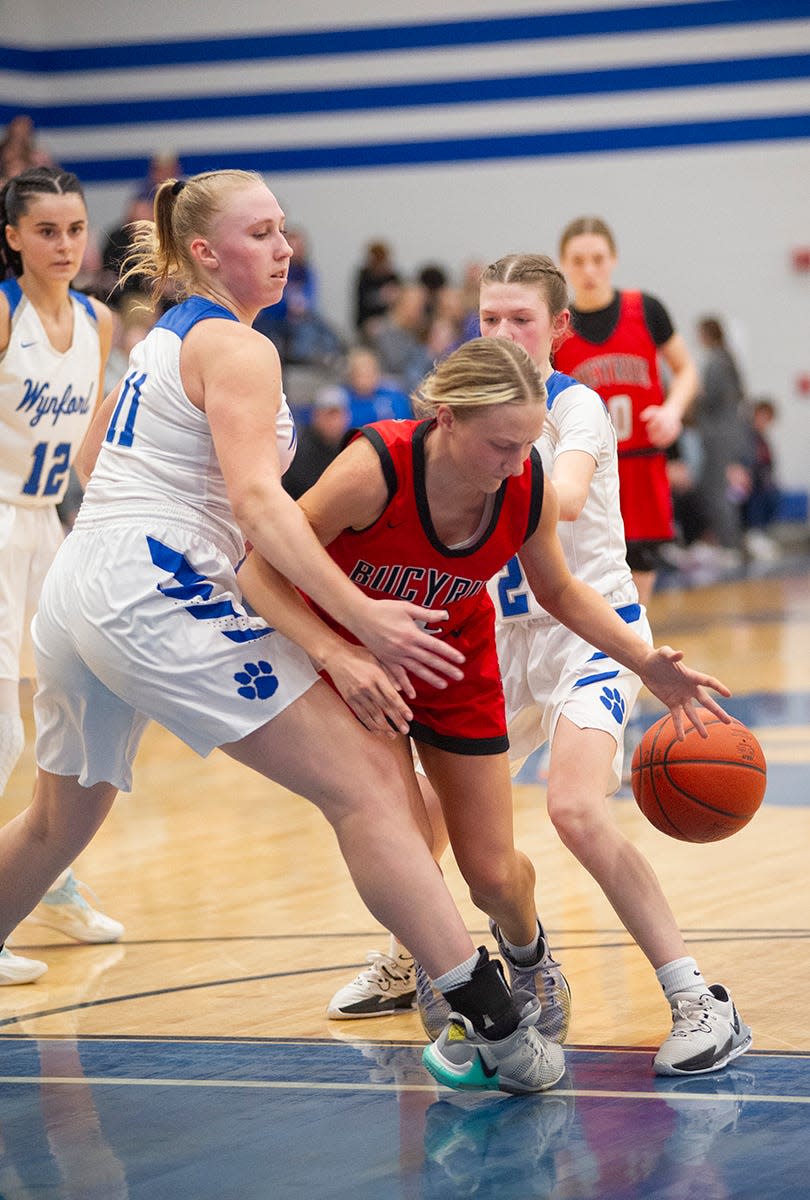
x: 693, y: 713
x: 677, y: 721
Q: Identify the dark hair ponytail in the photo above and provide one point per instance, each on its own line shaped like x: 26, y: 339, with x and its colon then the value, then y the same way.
x: 15, y: 198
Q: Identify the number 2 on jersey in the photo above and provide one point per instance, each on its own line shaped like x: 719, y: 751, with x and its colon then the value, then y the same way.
x: 512, y: 590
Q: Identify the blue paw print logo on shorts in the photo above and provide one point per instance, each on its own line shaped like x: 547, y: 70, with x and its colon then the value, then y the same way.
x: 257, y: 681
x: 613, y: 701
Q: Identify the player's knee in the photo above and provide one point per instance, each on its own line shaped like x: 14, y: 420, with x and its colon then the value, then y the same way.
x: 571, y: 817
x: 492, y: 883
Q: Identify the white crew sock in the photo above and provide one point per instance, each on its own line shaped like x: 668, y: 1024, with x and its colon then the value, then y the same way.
x: 524, y: 956
x: 456, y: 975
x: 681, y: 975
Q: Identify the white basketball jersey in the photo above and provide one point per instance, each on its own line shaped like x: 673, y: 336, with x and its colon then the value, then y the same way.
x: 594, y: 546
x: 46, y: 400
x: 158, y: 456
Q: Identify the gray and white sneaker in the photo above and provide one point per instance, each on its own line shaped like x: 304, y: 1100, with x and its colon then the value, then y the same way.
x: 545, y: 980
x: 524, y: 1061
x: 387, y: 985
x: 707, y: 1033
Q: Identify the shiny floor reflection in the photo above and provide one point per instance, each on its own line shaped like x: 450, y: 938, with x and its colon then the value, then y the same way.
x: 108, y: 1119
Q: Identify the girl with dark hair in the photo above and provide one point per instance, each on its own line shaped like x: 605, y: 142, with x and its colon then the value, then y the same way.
x: 54, y: 344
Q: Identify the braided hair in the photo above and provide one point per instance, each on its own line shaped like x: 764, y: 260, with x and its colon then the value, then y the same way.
x: 15, y: 199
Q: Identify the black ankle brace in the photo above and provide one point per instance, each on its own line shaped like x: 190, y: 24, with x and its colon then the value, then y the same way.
x: 486, y: 1000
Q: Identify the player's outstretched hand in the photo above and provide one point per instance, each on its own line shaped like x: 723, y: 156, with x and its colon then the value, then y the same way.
x: 683, y: 690
x: 368, y: 689
x: 392, y: 630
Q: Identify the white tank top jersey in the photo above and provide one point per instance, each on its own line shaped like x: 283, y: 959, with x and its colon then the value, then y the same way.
x: 158, y: 456
x: 594, y: 545
x: 46, y: 400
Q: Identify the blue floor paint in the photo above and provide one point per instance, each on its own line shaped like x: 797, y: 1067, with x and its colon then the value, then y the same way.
x: 113, y: 1119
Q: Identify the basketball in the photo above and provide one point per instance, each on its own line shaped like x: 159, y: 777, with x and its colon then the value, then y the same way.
x: 700, y: 789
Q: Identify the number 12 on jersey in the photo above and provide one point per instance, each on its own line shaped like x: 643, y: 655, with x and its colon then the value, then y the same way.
x: 512, y: 589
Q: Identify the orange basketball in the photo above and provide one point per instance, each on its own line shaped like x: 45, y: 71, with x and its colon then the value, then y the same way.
x: 700, y: 789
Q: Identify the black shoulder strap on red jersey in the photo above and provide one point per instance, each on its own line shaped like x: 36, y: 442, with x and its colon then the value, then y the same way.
x: 538, y: 487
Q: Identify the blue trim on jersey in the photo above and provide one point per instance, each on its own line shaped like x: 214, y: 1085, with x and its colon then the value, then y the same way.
x: 596, y: 678
x: 13, y: 292
x: 184, y: 316
x: 85, y: 303
x: 556, y: 384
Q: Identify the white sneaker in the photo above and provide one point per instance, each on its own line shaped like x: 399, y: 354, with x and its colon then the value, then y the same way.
x: 524, y: 1061
x: 707, y: 1033
x: 67, y: 910
x: 16, y: 969
x: 760, y: 547
x: 387, y: 985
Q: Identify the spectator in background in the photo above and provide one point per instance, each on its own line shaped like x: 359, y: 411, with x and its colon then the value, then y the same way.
x: 117, y: 246
x: 723, y: 480
x: 162, y: 166
x: 20, y: 148
x: 376, y: 287
x: 366, y: 396
x: 762, y: 503
x: 294, y: 325
x: 399, y: 339
x: 319, y: 442
x: 433, y: 279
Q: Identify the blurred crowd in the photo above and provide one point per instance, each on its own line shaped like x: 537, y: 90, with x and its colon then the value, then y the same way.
x: 722, y: 469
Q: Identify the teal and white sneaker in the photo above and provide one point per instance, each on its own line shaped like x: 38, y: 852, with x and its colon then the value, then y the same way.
x: 707, y: 1033
x: 16, y: 969
x: 524, y: 1061
x: 66, y: 910
x: 545, y: 980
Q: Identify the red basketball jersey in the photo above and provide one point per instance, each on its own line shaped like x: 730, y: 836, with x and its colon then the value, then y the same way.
x: 624, y: 371
x: 401, y: 557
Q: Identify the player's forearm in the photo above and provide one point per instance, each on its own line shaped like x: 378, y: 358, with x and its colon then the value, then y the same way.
x: 583, y: 610
x: 276, y: 601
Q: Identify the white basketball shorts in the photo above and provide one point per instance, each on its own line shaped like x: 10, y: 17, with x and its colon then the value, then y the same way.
x: 548, y: 671
x: 135, y: 626
x: 29, y: 540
